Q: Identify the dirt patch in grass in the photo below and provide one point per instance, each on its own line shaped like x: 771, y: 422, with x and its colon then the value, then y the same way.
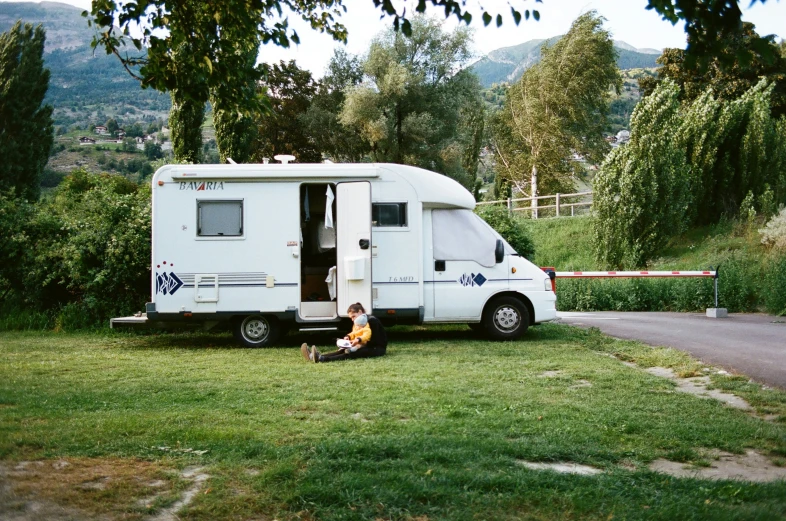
x: 697, y: 386
x: 197, y: 478
x: 82, y: 488
x: 750, y: 466
x: 561, y: 468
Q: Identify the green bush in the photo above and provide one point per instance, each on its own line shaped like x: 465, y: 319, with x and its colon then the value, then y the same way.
x: 81, y: 254
x: 738, y: 290
x: 509, y: 227
x: 774, y: 287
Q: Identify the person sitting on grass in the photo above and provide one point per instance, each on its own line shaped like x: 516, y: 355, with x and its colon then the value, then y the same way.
x: 366, y: 340
x: 360, y: 335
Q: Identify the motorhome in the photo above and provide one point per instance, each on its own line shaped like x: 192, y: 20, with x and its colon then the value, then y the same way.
x: 273, y: 247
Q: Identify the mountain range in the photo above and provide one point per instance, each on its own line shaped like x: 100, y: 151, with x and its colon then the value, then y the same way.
x: 79, y: 77
x: 507, y: 64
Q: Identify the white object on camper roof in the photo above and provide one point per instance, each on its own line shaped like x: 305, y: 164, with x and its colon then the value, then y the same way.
x: 284, y: 158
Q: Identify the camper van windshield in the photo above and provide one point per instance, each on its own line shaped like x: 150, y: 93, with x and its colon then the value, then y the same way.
x: 508, y: 248
x: 459, y: 234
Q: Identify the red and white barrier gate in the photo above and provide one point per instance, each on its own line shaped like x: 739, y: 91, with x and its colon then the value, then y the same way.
x: 628, y: 274
x: 632, y: 274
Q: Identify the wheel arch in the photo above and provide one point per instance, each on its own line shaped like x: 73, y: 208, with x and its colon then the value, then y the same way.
x: 515, y: 294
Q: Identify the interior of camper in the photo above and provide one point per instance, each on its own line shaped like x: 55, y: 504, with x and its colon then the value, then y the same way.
x: 318, y: 251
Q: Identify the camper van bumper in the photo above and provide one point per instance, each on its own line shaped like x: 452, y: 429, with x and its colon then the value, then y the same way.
x: 544, y: 304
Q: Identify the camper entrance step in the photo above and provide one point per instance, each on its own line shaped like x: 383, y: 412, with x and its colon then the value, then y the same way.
x: 136, y: 321
x: 328, y: 328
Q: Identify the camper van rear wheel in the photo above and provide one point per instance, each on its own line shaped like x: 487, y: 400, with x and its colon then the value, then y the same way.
x: 256, y: 330
x: 506, y: 318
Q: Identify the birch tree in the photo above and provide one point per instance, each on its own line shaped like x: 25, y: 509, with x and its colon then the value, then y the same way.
x: 559, y: 107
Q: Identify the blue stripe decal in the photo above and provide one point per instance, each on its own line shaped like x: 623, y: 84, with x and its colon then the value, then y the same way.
x: 457, y: 282
x: 260, y: 285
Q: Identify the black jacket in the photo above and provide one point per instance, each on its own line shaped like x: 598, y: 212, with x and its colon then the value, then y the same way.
x: 379, y: 340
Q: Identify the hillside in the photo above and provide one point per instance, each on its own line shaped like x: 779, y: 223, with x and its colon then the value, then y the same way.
x: 83, y: 85
x: 509, y: 63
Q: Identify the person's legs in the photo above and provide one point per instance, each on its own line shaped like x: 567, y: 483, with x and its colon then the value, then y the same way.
x: 333, y: 357
x: 367, y: 352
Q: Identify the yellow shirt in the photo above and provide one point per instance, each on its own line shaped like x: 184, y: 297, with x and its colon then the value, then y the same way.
x: 361, y: 332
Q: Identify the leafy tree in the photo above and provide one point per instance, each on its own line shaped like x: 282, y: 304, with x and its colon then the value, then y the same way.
x: 290, y: 90
x: 16, y: 215
x: 728, y: 76
x: 153, y: 151
x: 559, y: 106
x: 94, y: 248
x: 129, y: 145
x: 641, y: 191
x: 510, y: 227
x: 236, y: 128
x: 409, y: 109
x: 111, y: 126
x: 689, y: 165
x: 709, y: 24
x: 26, y: 130
x: 185, y: 122
x: 336, y: 141
x: 734, y: 148
x: 167, y: 28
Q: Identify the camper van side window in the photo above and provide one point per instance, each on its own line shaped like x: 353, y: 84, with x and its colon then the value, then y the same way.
x: 220, y: 218
x: 389, y: 214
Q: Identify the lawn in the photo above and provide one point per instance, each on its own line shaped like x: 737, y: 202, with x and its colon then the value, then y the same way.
x: 436, y: 430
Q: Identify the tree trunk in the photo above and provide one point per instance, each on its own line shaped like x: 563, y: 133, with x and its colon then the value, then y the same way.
x: 185, y: 123
x: 534, y: 182
x: 399, y: 138
x: 235, y: 134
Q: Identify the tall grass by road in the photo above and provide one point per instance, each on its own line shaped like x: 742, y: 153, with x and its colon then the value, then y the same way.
x: 435, y: 430
x: 752, y: 278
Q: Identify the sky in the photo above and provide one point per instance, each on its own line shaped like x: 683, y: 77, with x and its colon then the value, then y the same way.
x: 628, y: 20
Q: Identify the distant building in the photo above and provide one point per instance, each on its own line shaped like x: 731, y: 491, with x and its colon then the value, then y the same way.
x: 623, y: 136
x: 100, y: 129
x: 121, y: 133
x: 84, y: 140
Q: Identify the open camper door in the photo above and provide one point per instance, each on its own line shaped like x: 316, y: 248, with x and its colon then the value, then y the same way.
x: 353, y: 242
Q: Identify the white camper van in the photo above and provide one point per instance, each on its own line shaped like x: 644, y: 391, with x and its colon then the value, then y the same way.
x: 278, y: 246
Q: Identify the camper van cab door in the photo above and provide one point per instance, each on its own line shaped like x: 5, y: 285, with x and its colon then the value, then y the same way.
x: 466, y: 270
x: 353, y: 242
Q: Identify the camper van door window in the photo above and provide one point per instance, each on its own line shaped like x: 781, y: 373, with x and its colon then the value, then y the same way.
x: 220, y: 218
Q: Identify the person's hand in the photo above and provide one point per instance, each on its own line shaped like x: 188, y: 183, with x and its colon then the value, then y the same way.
x: 355, y: 342
x: 346, y: 338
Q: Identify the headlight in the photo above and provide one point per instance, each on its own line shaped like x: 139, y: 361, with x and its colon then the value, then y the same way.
x: 547, y: 284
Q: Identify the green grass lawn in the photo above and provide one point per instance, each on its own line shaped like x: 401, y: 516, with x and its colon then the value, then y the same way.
x: 434, y: 430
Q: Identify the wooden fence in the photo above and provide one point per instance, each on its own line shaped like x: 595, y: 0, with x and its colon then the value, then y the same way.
x: 560, y: 207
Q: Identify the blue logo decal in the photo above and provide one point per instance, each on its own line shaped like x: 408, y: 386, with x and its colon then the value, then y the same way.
x: 167, y: 283
x: 472, y: 279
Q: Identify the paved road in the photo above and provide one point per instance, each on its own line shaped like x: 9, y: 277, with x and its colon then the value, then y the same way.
x: 751, y: 344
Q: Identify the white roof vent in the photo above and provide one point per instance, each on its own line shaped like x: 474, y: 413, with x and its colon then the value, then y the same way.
x: 284, y: 158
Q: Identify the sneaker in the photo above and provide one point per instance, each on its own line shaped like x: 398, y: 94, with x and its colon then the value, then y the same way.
x: 305, y: 353
x: 314, y: 354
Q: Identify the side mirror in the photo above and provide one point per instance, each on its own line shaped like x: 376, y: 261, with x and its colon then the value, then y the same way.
x: 499, y: 251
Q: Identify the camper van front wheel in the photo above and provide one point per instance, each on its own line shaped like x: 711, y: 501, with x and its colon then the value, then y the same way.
x: 256, y: 330
x: 506, y: 318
